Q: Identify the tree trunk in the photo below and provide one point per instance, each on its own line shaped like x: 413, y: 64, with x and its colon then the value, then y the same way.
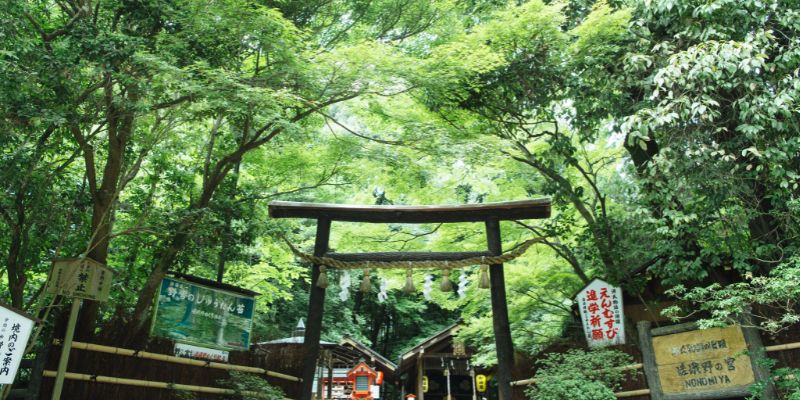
x: 120, y: 129
x: 177, y: 242
x: 16, y: 273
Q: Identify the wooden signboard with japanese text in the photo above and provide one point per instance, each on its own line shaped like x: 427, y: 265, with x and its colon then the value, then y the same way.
x: 703, y: 360
x: 682, y: 362
x: 82, y: 278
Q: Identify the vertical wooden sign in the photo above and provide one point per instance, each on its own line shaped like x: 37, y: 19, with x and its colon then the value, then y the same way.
x: 600, y: 304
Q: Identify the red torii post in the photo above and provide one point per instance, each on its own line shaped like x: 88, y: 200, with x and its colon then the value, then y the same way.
x: 490, y: 213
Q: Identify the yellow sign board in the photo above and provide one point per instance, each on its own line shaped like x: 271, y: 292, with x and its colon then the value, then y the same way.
x: 480, y: 382
x: 80, y: 277
x: 424, y: 384
x: 702, y: 360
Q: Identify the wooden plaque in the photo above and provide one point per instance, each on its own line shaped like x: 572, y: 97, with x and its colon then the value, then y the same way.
x: 80, y: 278
x: 703, y: 360
x: 682, y: 362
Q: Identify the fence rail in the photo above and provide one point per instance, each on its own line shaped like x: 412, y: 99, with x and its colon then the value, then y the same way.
x: 176, y: 360
x: 154, y: 384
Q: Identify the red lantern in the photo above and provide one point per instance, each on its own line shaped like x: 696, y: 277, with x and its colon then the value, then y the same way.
x: 379, y: 378
x: 362, y: 377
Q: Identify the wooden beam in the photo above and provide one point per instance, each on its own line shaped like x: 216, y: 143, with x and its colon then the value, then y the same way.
x: 502, y: 327
x: 316, y: 303
x: 407, y: 256
x: 512, y: 210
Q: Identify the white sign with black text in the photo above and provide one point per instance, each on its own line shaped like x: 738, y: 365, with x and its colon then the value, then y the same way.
x: 15, y: 330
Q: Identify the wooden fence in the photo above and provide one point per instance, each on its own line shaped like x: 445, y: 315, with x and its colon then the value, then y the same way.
x: 106, y: 372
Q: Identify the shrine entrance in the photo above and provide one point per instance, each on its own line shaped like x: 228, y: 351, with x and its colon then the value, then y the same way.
x: 490, y: 214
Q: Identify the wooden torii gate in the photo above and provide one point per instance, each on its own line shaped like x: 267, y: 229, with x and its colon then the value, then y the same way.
x: 490, y: 213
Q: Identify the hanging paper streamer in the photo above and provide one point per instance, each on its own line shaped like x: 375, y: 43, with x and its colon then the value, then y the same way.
x: 344, y: 284
x: 462, y: 285
x: 382, y: 296
x: 427, y: 286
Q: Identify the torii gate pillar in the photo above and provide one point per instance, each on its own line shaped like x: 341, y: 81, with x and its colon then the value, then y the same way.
x: 500, y: 323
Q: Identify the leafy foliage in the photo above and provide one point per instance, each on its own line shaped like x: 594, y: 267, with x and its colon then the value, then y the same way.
x: 150, y: 135
x: 771, y: 299
x: 593, y: 375
x: 248, y: 383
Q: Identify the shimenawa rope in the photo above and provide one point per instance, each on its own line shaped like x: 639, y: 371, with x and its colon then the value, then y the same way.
x: 483, y: 261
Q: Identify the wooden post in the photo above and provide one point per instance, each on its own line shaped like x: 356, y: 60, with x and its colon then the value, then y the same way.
x: 321, y: 380
x: 66, y: 347
x: 330, y: 374
x: 447, y: 376
x: 420, y: 374
x: 757, y: 352
x: 502, y: 328
x: 649, y: 360
x: 316, y: 305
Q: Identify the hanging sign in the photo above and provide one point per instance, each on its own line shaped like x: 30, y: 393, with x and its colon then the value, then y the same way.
x: 15, y: 330
x: 703, y: 360
x: 82, y: 278
x: 601, y: 312
x: 200, y: 353
x: 200, y: 315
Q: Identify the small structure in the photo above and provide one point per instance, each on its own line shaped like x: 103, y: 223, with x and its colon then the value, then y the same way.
x: 362, y: 377
x: 334, y: 363
x: 439, y: 368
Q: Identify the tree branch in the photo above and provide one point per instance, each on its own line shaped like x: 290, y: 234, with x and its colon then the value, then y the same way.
x: 354, y: 133
x: 562, y: 250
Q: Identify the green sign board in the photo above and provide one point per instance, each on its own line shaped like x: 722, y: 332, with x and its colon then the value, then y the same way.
x: 196, y: 314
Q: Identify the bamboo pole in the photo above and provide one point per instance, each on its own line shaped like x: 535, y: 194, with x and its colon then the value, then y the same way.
x: 177, y: 360
x: 153, y: 384
x: 782, y: 347
x: 632, y: 393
